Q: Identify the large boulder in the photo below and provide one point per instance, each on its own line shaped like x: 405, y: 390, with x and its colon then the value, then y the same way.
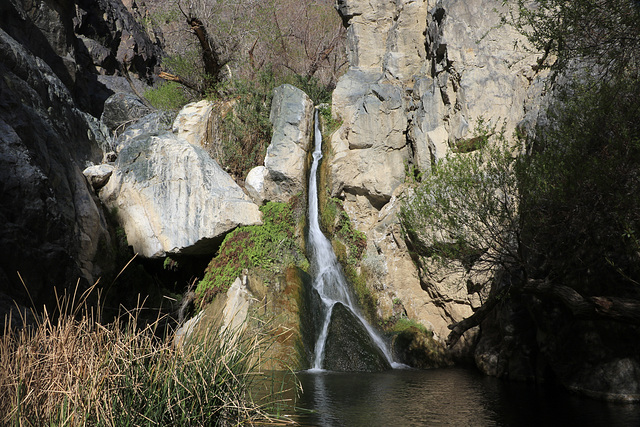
x: 349, y: 347
x: 284, y: 172
x: 172, y: 197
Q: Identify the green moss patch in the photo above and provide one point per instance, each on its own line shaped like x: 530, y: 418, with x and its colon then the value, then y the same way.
x: 269, y: 247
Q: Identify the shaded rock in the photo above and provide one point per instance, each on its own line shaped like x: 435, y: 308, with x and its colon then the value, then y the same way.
x: 172, y: 197
x: 292, y: 119
x: 51, y: 224
x: 192, y: 122
x: 349, y: 347
x: 122, y: 110
x: 98, y: 175
x: 152, y: 124
x: 418, y: 349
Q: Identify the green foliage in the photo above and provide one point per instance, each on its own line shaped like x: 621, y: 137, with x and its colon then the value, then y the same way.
x: 482, y: 133
x: 270, y: 246
x: 246, y: 129
x: 329, y: 124
x: 355, y: 240
x: 167, y: 96
x: 467, y: 207
x: 604, y: 33
x: 578, y: 187
x: 404, y: 323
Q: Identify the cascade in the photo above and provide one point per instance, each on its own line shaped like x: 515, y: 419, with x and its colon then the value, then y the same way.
x: 329, y: 280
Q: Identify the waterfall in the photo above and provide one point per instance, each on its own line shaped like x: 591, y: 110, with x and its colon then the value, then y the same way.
x: 329, y: 280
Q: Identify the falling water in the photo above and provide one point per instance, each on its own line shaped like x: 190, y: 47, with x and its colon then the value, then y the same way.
x: 329, y: 280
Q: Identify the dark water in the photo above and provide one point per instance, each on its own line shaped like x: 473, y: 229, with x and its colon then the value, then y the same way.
x: 452, y: 397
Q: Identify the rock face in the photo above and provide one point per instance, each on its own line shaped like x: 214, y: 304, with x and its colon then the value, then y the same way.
x: 52, y: 227
x: 50, y: 223
x: 349, y: 347
x: 421, y: 75
x: 172, y: 197
x: 284, y: 171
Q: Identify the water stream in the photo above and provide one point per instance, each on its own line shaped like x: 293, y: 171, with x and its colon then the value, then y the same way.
x: 329, y: 279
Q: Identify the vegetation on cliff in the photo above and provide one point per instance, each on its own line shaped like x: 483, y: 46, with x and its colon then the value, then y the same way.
x: 562, y: 217
x: 266, y: 250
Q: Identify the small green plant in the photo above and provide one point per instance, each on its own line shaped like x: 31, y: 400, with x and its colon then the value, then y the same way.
x: 270, y: 246
x: 167, y: 96
x: 170, y: 264
x: 403, y: 323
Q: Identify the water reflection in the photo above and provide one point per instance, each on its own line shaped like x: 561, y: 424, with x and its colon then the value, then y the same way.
x: 453, y: 397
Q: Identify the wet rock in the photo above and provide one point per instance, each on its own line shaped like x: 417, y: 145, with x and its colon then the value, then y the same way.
x: 349, y: 347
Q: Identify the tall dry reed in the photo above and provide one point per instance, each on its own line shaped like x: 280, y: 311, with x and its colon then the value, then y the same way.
x: 71, y: 370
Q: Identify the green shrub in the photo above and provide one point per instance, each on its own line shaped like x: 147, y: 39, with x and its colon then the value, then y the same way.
x: 167, y: 96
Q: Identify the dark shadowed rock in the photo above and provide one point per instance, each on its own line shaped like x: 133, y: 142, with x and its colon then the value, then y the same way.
x: 51, y: 226
x: 122, y: 110
x: 349, y: 347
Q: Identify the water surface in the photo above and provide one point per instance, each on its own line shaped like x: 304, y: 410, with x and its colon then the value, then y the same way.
x: 450, y: 397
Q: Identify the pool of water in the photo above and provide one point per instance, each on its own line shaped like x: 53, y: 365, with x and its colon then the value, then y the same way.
x: 452, y: 396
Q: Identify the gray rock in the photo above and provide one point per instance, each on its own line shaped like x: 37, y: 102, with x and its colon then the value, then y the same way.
x: 172, y: 197
x: 98, y: 175
x: 122, y: 110
x: 51, y: 225
x: 292, y: 119
x: 349, y: 348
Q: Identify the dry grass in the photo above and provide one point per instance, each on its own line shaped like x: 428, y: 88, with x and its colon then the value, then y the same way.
x: 71, y: 370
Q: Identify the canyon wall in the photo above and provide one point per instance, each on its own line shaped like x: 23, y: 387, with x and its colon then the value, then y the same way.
x: 422, y: 73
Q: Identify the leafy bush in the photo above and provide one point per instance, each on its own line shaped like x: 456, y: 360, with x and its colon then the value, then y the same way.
x: 467, y: 207
x: 270, y: 246
x: 167, y: 96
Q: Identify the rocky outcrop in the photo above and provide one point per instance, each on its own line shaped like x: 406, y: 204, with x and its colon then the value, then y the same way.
x: 349, y: 347
x: 422, y: 73
x: 172, y: 197
x: 284, y: 171
x: 193, y: 122
x: 51, y: 226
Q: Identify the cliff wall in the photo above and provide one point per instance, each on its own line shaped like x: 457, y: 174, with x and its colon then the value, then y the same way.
x: 422, y: 73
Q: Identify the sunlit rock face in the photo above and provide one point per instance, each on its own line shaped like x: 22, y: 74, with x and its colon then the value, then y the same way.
x: 285, y: 165
x: 421, y: 74
x: 172, y: 197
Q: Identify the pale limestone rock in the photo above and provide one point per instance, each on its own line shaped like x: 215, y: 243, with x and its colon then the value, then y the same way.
x: 234, y: 314
x: 171, y: 197
x: 421, y: 74
x: 98, y: 175
x: 192, y: 122
x: 254, y: 183
x: 292, y: 119
x: 370, y: 150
